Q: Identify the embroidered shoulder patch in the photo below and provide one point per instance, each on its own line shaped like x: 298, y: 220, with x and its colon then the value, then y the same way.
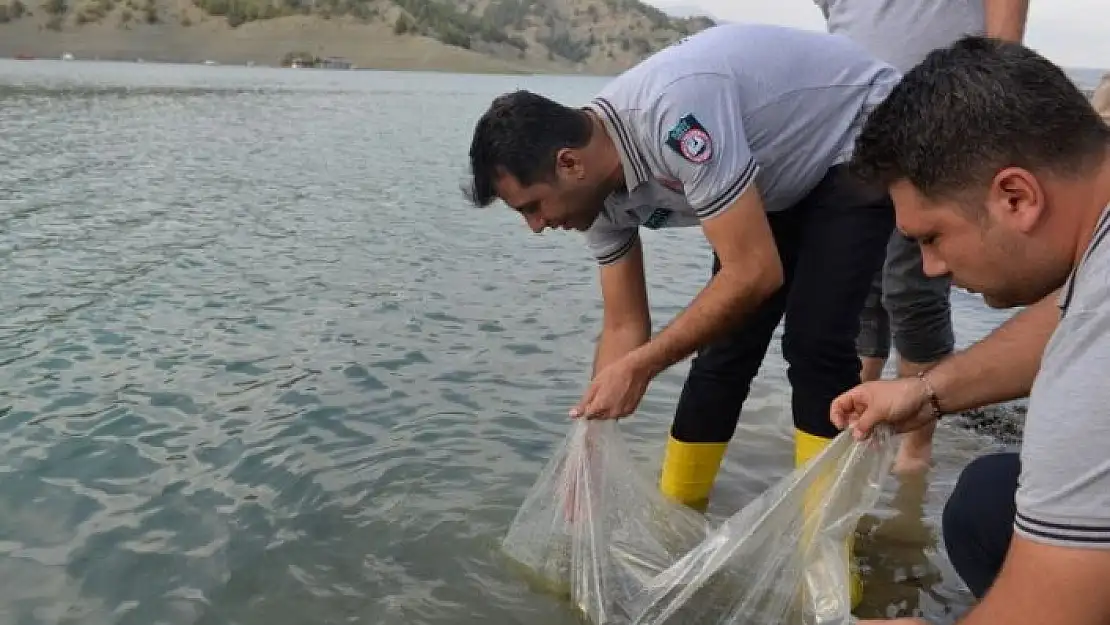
x: 690, y: 139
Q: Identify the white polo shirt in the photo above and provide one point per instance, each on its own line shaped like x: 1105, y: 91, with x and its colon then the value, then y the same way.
x: 1063, y: 497
x: 699, y: 121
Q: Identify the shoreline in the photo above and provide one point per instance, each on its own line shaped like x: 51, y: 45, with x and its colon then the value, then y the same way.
x: 493, y: 68
x: 1088, y: 91
x: 383, y: 68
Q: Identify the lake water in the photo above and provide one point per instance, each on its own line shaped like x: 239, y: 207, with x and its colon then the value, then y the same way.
x: 261, y: 364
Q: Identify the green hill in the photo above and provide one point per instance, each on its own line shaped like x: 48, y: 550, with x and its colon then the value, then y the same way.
x: 540, y: 35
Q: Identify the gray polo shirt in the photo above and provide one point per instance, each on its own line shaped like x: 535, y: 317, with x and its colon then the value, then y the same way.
x: 903, y: 32
x: 1063, y: 496
x: 698, y: 122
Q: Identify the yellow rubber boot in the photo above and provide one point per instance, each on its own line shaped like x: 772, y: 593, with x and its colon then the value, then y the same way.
x: 689, y: 470
x: 806, y: 447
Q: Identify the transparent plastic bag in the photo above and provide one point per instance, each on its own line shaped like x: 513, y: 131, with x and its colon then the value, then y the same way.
x: 595, y: 529
x: 784, y: 558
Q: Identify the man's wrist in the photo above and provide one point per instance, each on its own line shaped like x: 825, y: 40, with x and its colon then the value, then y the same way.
x: 649, y: 360
x: 932, y: 400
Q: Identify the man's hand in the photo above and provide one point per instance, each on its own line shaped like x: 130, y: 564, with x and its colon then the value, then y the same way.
x: 998, y: 368
x: 616, y: 390
x: 903, y: 403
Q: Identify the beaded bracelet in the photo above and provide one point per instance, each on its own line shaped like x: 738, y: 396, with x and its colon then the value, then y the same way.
x: 931, y: 395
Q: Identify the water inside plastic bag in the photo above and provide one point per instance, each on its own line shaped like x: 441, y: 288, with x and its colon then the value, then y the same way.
x: 595, y: 529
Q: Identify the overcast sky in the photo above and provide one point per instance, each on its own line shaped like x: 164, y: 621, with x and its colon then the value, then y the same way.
x: 1072, y: 33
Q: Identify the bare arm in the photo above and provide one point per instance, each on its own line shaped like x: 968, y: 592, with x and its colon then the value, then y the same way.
x: 1047, y: 585
x: 750, y: 272
x: 1000, y: 367
x: 1006, y: 18
x: 626, y: 322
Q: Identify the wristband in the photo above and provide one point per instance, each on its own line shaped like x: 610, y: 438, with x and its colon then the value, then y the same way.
x: 931, y: 395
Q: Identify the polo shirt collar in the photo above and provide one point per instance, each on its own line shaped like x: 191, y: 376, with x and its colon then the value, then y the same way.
x: 633, y: 163
x: 1097, y: 237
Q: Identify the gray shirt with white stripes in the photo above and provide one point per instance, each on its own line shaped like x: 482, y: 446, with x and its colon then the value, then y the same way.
x: 698, y: 122
x: 1063, y: 496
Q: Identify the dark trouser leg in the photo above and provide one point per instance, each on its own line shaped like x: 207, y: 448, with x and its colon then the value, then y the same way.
x: 874, y: 332
x: 919, y: 307
x: 842, y: 244
x: 721, y: 373
x: 979, y: 519
x: 873, y: 342
x: 921, y: 322
x: 718, y: 384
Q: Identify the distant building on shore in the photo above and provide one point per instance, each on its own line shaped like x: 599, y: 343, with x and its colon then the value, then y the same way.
x: 300, y: 60
x: 334, y: 62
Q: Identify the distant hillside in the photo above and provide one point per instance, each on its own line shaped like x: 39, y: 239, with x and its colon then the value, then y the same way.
x: 596, y: 36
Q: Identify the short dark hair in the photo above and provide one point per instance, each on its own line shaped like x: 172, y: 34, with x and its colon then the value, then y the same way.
x: 973, y: 108
x: 520, y: 134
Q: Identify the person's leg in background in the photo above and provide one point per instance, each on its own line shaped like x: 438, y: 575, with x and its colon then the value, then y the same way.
x: 921, y: 324
x: 873, y: 343
x: 978, y: 520
x: 841, y: 246
x: 717, y: 385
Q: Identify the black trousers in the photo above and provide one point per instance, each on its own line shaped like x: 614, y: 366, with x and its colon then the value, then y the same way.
x: 978, y: 521
x: 831, y: 244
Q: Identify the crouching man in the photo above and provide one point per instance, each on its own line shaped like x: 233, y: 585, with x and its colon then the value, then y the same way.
x: 1006, y: 188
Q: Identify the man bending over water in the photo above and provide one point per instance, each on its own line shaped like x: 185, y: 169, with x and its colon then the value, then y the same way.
x: 742, y: 130
x: 1006, y: 188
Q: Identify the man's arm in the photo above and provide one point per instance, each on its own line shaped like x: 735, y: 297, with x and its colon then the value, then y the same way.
x: 751, y: 271
x: 1042, y: 584
x: 1000, y: 367
x: 626, y: 322
x: 1006, y: 18
x: 701, y: 141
